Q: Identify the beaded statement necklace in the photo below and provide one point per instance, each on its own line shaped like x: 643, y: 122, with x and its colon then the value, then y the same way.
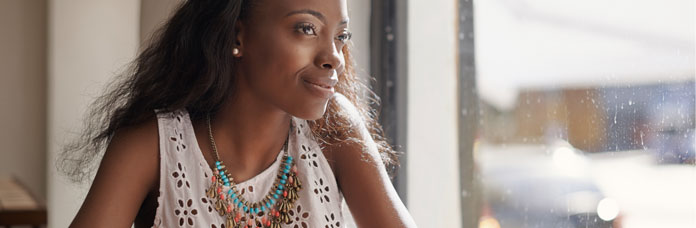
x: 271, y: 211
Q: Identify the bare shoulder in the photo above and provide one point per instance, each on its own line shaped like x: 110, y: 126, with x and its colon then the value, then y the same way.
x: 360, y: 144
x: 142, y: 138
x: 134, y: 147
x: 362, y: 176
x: 128, y: 171
x: 349, y: 109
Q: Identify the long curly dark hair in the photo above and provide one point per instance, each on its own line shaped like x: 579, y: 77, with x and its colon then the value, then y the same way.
x: 188, y: 65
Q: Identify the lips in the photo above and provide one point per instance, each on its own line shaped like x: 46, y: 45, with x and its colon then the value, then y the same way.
x: 323, y: 88
x: 324, y: 83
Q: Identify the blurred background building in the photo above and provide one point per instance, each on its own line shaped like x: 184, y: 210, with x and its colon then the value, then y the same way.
x: 586, y: 113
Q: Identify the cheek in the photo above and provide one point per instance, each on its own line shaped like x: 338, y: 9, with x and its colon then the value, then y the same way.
x: 271, y: 57
x: 273, y: 69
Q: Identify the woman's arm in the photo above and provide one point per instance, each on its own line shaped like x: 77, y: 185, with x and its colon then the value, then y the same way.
x: 363, y: 178
x: 128, y: 171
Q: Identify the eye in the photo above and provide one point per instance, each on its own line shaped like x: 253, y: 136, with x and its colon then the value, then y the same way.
x: 345, y: 36
x: 307, y: 29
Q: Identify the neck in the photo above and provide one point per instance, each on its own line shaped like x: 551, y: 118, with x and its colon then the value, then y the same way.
x: 249, y: 132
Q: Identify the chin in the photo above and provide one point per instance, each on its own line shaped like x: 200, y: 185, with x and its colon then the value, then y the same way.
x: 310, y: 113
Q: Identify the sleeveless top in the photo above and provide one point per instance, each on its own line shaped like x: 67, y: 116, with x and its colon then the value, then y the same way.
x: 185, y: 175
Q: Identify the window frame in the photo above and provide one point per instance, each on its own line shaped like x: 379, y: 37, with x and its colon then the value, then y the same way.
x: 468, y: 117
x: 388, y: 56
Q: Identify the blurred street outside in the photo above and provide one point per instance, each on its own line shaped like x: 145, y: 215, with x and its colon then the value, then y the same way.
x: 650, y: 195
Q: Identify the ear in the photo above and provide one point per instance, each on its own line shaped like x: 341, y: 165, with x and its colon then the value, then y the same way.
x: 239, y: 39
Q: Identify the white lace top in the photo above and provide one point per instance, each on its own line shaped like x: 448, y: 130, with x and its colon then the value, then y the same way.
x: 185, y: 176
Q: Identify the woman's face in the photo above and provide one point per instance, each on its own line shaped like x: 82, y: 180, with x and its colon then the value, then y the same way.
x: 291, y: 53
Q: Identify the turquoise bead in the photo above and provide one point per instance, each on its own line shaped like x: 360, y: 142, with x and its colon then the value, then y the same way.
x: 282, y: 181
x: 217, y: 163
x: 278, y: 191
x: 287, y: 166
x: 227, y: 184
x: 268, y: 204
x: 275, y: 196
x: 286, y: 171
x: 263, y: 208
x: 246, y: 209
x: 236, y: 200
x: 222, y: 173
x: 280, y: 187
x: 284, y: 177
x: 272, y: 202
x: 229, y: 192
x: 233, y: 194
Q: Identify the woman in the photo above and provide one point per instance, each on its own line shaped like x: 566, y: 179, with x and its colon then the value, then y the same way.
x: 239, y: 114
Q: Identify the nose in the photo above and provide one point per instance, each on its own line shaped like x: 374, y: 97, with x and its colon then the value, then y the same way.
x: 329, y: 58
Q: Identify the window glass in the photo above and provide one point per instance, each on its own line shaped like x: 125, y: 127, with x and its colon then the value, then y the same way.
x: 586, y: 113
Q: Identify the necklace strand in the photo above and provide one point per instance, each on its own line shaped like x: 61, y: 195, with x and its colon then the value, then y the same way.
x: 215, y: 151
x: 272, y: 209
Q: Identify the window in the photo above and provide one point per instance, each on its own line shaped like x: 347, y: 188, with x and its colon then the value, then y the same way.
x: 539, y: 113
x: 586, y: 113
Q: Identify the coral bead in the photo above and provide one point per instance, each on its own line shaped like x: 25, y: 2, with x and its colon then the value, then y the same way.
x: 213, y: 178
x: 290, y: 180
x: 294, y: 169
x: 285, y: 193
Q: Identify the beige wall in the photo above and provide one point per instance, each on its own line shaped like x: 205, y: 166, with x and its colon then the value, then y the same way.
x: 153, y: 14
x: 23, y: 92
x: 89, y: 42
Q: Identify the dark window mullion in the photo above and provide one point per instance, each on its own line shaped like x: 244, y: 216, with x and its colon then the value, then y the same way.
x: 468, y: 115
x: 387, y: 65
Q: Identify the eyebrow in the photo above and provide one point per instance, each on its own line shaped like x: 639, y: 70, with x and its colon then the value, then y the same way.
x: 314, y: 13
